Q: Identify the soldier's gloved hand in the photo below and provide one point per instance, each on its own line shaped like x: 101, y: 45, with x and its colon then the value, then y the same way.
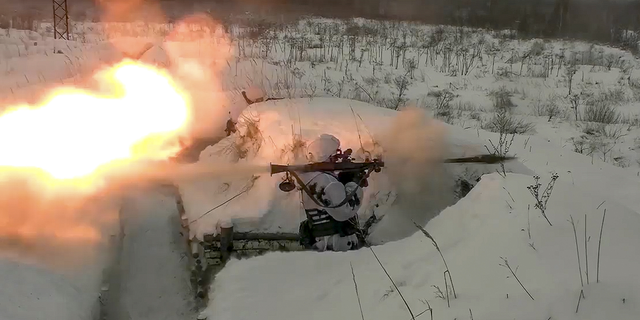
x: 355, y: 201
x: 345, y: 177
x: 361, y: 180
x: 350, y: 186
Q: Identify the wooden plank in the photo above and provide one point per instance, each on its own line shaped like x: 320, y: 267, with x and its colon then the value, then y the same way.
x: 226, y: 241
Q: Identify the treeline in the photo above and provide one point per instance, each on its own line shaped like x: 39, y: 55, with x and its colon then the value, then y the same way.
x: 593, y: 20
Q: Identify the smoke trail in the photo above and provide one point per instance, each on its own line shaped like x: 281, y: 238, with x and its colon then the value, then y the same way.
x: 199, y: 50
x: 51, y: 224
x: 196, y: 51
x: 414, y: 148
x: 173, y: 173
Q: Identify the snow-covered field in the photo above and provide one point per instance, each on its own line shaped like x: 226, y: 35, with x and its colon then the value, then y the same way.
x: 574, y: 109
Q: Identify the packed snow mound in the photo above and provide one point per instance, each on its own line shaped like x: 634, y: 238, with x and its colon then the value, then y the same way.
x: 414, y: 186
x: 491, y: 223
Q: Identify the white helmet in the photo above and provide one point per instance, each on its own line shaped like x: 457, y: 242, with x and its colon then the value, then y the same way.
x: 323, y: 147
x: 255, y: 94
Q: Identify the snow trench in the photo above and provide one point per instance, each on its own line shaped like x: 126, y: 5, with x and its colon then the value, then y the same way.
x: 149, y: 278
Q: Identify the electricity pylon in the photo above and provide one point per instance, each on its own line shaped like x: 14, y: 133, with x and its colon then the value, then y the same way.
x: 60, y: 20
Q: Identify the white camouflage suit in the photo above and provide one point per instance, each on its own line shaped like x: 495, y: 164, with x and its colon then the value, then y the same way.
x: 334, y: 191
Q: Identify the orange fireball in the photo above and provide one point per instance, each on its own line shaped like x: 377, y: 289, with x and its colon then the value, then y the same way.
x: 75, y: 132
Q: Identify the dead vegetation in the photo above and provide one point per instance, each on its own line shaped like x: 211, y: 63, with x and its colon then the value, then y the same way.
x: 248, y: 140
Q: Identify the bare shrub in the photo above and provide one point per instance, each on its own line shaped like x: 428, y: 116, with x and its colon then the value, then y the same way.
x: 549, y: 109
x: 503, y: 122
x: 600, y: 110
x: 592, y: 129
x: 401, y: 84
x: 476, y: 116
x: 611, y: 60
x: 502, y: 98
x: 503, y: 73
x: 537, y: 48
x: 442, y: 104
x: 634, y: 85
x: 575, y: 105
x: 295, y: 150
x: 249, y: 140
x: 465, y: 106
x: 542, y: 199
x: 552, y: 110
x: 593, y: 145
x: 632, y: 121
x: 610, y: 131
x: 616, y: 95
x: 570, y: 71
x: 581, y: 145
x: 538, y: 107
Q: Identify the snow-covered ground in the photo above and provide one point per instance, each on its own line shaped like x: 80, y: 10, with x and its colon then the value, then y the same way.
x: 495, y: 221
x: 30, y: 291
x: 463, y: 77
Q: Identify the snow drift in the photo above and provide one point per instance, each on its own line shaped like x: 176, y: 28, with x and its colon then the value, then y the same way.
x: 491, y: 223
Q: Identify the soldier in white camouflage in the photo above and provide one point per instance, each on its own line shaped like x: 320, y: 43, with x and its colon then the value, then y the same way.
x: 331, y: 222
